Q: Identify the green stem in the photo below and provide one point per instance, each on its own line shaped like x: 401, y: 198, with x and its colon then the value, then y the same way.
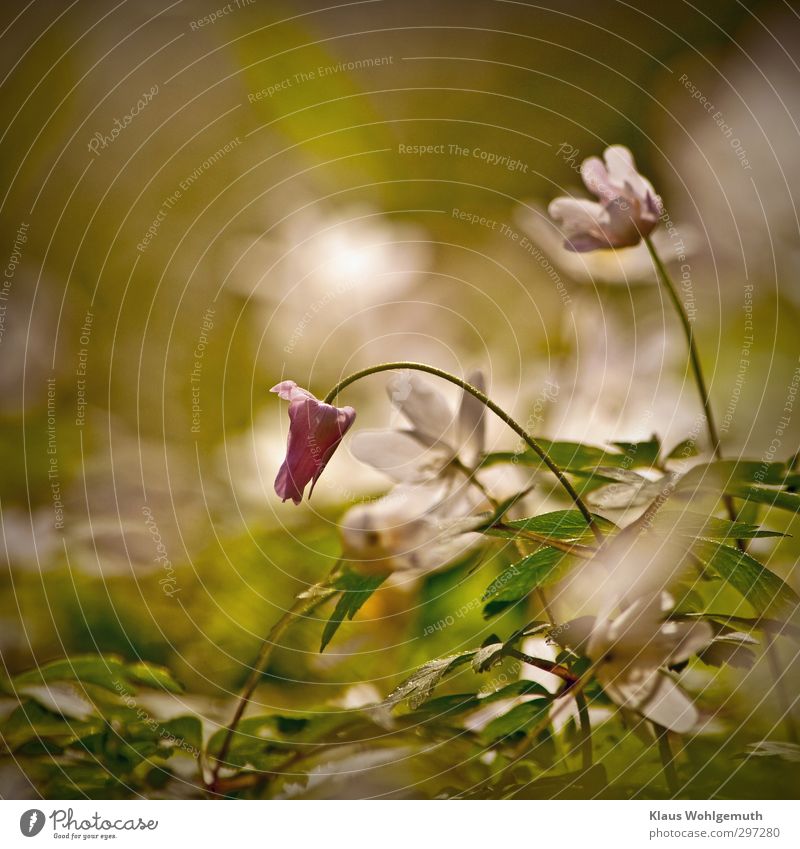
x: 547, y: 665
x: 667, y: 759
x: 303, y: 605
x: 586, y: 730
x: 666, y: 280
x: 694, y: 357
x: 487, y: 402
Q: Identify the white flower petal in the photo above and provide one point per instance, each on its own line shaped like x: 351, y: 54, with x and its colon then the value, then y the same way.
x: 471, y: 422
x: 687, y: 638
x: 656, y: 696
x: 399, y: 455
x: 577, y: 215
x: 424, y: 406
x: 403, y: 530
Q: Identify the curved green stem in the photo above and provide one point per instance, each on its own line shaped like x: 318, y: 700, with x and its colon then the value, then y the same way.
x: 303, y: 605
x: 487, y: 402
x: 697, y: 369
x: 694, y: 357
x: 586, y: 730
x: 667, y: 759
x: 730, y: 507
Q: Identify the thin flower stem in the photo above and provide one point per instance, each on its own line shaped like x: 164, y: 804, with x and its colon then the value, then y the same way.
x: 730, y: 507
x: 487, y: 402
x: 303, y: 605
x: 547, y: 665
x: 586, y: 730
x: 473, y: 479
x: 694, y: 357
x: 783, y: 698
x: 667, y: 759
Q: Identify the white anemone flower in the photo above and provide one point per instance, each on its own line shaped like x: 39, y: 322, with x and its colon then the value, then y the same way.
x: 424, y: 522
x: 627, y: 207
x: 633, y: 652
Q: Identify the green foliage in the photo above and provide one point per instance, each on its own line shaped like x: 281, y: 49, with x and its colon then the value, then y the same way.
x: 106, y: 671
x: 765, y: 591
x: 80, y: 728
x: 540, y: 569
x: 355, y: 588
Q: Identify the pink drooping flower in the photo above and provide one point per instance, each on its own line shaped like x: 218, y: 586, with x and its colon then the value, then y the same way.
x: 628, y: 207
x: 315, y: 431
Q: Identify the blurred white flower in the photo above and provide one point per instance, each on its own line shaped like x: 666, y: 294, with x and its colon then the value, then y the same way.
x: 423, y: 522
x: 633, y: 651
x: 628, y: 207
x: 437, y: 441
x: 626, y: 266
x: 316, y: 271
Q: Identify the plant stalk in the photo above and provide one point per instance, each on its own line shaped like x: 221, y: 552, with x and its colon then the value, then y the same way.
x: 694, y: 358
x: 586, y: 730
x: 487, y: 402
x: 667, y: 759
x: 303, y: 605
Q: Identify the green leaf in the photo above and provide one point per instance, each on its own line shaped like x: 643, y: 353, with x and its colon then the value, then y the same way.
x: 520, y: 720
x: 640, y: 453
x: 150, y: 675
x: 684, y: 449
x: 444, y: 707
x: 565, y: 525
x: 106, y: 671
x: 418, y: 688
x: 732, y: 649
x: 770, y: 626
x: 514, y: 690
x: 31, y: 721
x: 61, y: 697
x: 185, y: 729
x: 502, y: 508
x: 356, y: 589
x: 691, y: 524
x: 577, y: 455
x: 540, y: 569
x: 761, y: 587
x: 772, y: 749
x: 725, y: 474
x: 488, y: 655
x: 771, y: 497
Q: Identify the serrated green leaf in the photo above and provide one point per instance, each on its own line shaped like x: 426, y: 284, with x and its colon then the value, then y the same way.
x: 514, y: 690
x: 540, y: 569
x: 186, y: 729
x: 770, y: 626
x: 564, y: 525
x: 31, y: 721
x: 150, y: 675
x: 418, y: 688
x: 724, y: 474
x: 691, y: 524
x: 771, y: 497
x: 733, y: 649
x: 684, y: 449
x: 640, y: 454
x: 520, y: 720
x: 356, y: 589
x: 761, y: 587
x: 107, y: 671
x: 486, y: 656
